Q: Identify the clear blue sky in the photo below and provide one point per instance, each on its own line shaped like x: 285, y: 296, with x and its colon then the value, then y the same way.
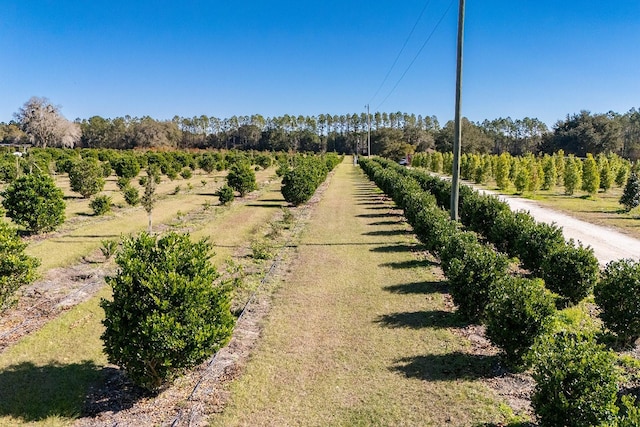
x: 542, y: 58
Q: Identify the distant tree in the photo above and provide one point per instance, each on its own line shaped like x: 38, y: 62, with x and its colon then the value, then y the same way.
x: 587, y: 133
x: 86, y: 177
x: 45, y: 126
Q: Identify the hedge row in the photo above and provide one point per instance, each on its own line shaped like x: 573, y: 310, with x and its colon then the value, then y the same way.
x: 301, y: 182
x: 569, y: 269
x: 518, y: 312
x: 521, y: 309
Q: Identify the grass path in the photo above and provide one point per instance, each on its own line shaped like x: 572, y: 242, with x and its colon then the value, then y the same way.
x: 359, y: 332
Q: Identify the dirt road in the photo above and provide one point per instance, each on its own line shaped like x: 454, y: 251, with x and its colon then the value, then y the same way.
x: 607, y: 243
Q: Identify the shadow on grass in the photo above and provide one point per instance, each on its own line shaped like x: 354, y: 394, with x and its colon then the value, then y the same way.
x: 266, y: 205
x: 414, y: 263
x: 388, y: 233
x: 387, y: 222
x: 401, y: 247
x: 380, y: 215
x: 447, y: 367
x: 34, y: 393
x: 422, y: 319
x: 418, y: 288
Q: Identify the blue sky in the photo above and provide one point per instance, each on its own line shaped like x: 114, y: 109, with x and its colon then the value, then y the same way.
x: 544, y: 58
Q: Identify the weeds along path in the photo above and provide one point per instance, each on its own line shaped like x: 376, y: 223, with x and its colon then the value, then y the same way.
x: 359, y: 332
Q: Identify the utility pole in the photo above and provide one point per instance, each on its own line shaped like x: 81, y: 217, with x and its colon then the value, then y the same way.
x: 368, y: 131
x: 455, y: 182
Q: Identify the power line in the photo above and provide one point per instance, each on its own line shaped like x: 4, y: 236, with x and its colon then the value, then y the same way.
x: 401, y: 50
x: 417, y: 54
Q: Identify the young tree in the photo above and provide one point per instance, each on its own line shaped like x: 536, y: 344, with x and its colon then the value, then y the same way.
x: 590, y: 175
x: 550, y: 172
x: 167, y: 313
x: 242, y: 178
x: 502, y: 171
x: 149, y: 197
x: 631, y: 194
x: 607, y: 174
x: 45, y: 126
x: 572, y: 175
x: 35, y: 202
x: 87, y: 177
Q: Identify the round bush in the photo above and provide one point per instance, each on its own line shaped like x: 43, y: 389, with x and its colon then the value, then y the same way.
x: 87, y: 177
x: 519, y: 311
x: 131, y: 195
x: 472, y: 276
x: 242, y: 178
x: 570, y: 271
x: 167, y: 314
x: 618, y: 296
x: 576, y: 382
x: 127, y: 166
x: 35, y: 202
x: 225, y: 195
x: 100, y: 204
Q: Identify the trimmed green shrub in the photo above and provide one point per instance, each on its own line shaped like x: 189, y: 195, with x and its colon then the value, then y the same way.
x: 100, y: 204
x: 167, y: 314
x: 519, y: 311
x: 225, y: 195
x: 16, y: 267
x: 618, y: 296
x: 571, y: 271
x: 576, y: 382
x: 242, y: 178
x: 472, y: 274
x: 34, y: 202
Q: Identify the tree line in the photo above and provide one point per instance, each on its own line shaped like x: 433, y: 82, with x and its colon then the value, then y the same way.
x: 394, y: 134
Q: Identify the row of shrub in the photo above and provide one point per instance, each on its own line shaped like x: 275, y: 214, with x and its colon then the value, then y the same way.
x: 301, y: 179
x: 127, y: 163
x: 569, y: 269
x: 519, y: 313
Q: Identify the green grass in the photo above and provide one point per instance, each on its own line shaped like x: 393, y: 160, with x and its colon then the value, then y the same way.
x: 359, y: 333
x: 45, y: 377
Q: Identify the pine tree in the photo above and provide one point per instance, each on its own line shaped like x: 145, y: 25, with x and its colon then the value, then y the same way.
x: 631, y: 194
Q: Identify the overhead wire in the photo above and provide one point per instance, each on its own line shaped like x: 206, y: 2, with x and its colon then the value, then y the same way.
x: 417, y: 54
x: 401, y: 50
